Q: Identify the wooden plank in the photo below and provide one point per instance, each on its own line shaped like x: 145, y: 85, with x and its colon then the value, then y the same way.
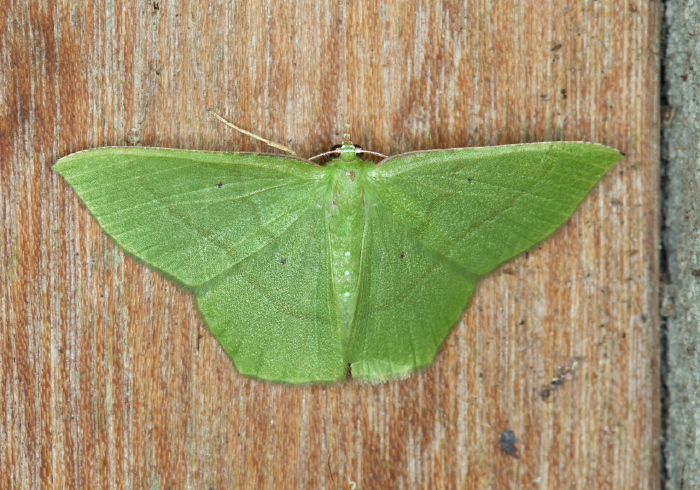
x: 109, y: 377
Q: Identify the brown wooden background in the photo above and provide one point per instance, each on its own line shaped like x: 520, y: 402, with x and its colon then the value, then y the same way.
x: 108, y: 377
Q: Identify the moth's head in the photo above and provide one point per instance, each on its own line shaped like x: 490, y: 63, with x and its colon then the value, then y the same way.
x: 347, y: 150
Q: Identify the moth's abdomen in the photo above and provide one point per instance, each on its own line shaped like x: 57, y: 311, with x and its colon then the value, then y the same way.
x: 346, y: 229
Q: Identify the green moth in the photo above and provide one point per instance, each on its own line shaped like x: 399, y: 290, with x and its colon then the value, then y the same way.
x: 311, y: 273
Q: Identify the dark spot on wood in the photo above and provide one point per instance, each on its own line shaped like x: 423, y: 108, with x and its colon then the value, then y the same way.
x: 684, y: 77
x: 521, y: 322
x: 544, y: 96
x: 330, y: 471
x: 156, y: 6
x: 564, y: 94
x: 220, y: 185
x: 283, y: 260
x: 564, y: 374
x: 696, y: 273
x: 134, y: 137
x: 402, y: 255
x: 507, y: 442
x: 556, y: 47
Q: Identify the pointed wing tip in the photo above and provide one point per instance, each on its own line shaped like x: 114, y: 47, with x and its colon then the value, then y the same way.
x: 61, y: 162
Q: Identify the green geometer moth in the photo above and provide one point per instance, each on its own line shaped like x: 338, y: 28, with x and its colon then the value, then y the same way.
x: 311, y: 273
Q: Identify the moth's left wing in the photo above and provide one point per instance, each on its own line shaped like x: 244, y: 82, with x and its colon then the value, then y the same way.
x: 245, y: 232
x: 190, y: 214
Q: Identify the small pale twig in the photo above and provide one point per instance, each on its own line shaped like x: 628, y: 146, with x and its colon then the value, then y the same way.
x: 248, y: 133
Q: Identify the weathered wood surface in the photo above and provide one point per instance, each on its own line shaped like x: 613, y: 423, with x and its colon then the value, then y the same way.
x: 681, y: 302
x: 110, y: 379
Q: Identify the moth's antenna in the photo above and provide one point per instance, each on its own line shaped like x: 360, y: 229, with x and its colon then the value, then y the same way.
x: 338, y: 151
x: 332, y: 152
x: 267, y: 142
x: 375, y: 153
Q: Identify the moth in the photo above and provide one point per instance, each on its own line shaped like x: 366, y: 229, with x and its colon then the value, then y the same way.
x: 310, y: 273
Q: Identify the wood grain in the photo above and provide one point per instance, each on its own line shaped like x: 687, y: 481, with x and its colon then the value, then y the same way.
x: 109, y: 378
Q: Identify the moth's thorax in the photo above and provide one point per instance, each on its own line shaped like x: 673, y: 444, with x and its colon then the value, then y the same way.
x: 346, y: 213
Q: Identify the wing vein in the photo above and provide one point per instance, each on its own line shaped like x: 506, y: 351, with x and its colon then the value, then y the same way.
x: 452, y: 242
x: 194, y: 201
